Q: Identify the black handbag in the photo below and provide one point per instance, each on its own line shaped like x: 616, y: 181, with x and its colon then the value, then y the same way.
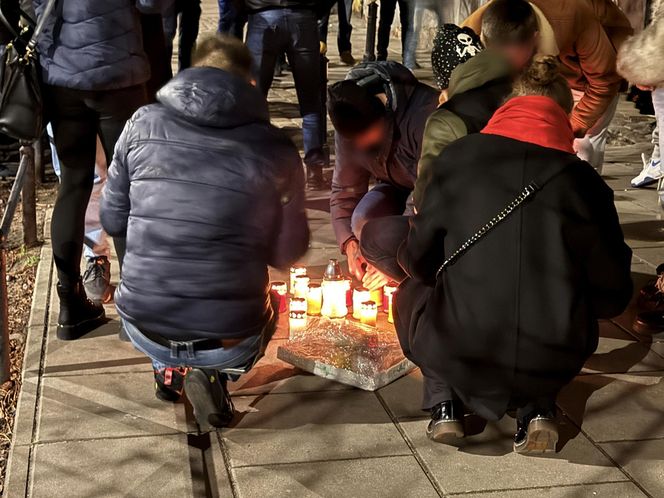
x: 21, y: 104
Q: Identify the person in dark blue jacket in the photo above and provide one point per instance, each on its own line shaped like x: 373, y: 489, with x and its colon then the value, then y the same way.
x: 94, y: 69
x: 208, y: 194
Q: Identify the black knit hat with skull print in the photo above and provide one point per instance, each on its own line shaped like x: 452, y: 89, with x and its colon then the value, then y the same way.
x: 452, y: 46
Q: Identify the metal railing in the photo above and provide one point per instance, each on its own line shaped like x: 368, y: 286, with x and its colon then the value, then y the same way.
x: 22, y: 188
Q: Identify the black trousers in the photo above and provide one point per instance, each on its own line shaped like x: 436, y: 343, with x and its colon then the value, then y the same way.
x: 77, y: 117
x: 387, y: 11
x: 380, y: 242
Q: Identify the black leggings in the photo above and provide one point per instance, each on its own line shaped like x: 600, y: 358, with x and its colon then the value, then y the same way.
x: 77, y: 117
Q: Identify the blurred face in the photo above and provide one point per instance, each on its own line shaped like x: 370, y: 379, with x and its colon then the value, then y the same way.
x: 520, y: 54
x: 372, y: 139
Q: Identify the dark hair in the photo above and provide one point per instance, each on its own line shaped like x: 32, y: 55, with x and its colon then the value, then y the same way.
x: 543, y: 77
x: 509, y: 22
x: 224, y: 52
x: 353, y: 109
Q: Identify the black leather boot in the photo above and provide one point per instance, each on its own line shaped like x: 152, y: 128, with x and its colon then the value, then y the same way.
x: 446, y: 422
x: 78, y: 315
x: 315, y: 179
x: 536, y: 433
x: 207, y: 392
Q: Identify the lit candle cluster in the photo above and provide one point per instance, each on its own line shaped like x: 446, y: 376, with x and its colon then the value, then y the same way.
x: 331, y: 298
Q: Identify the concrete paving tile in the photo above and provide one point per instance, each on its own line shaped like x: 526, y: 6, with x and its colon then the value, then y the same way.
x: 486, y: 461
x: 24, y: 419
x: 619, y: 352
x: 367, y: 478
x: 404, y: 396
x: 302, y: 427
x: 98, y: 352
x: 97, y: 406
x: 16, y: 478
x: 643, y: 462
x: 140, y: 467
x: 616, y: 407
x: 606, y: 490
x: 653, y: 255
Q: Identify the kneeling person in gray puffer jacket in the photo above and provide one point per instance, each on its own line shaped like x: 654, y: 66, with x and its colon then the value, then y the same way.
x: 209, y: 194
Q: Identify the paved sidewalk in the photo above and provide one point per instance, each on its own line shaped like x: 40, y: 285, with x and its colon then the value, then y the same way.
x: 89, y: 425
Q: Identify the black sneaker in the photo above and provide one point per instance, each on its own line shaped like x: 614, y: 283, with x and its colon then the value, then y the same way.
x: 97, y: 279
x: 537, y: 433
x: 169, y: 383
x: 446, y: 422
x: 315, y: 178
x: 78, y: 315
x: 208, y: 394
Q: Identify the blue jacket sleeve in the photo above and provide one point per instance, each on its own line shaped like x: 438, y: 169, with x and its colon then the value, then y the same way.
x: 115, y: 204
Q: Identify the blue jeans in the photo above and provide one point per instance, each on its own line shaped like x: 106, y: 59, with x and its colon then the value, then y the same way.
x: 293, y: 32
x: 231, y: 22
x: 345, y: 8
x: 242, y: 356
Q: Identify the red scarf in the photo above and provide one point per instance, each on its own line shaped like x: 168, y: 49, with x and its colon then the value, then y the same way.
x: 533, y: 119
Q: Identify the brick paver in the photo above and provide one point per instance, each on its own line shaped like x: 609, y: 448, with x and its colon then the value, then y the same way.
x: 88, y: 423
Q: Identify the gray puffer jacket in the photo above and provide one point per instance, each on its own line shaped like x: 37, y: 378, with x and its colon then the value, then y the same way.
x: 95, y: 45
x: 208, y: 194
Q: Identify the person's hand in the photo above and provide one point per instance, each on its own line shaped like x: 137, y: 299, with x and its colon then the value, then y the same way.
x: 356, y: 262
x: 374, y: 279
x: 645, y: 88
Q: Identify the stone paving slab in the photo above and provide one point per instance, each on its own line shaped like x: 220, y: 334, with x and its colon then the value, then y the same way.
x: 367, y: 478
x: 607, y: 490
x: 643, y: 461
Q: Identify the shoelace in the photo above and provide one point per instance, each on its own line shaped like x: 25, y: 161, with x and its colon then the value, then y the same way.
x: 95, y: 270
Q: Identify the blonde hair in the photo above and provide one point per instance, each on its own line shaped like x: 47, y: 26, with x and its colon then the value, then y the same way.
x: 224, y: 52
x: 543, y: 77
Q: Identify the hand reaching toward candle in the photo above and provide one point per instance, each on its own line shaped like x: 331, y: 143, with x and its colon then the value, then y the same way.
x: 374, y: 279
x: 356, y: 262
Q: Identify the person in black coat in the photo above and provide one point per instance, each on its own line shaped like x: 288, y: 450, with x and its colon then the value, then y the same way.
x: 208, y: 194
x: 513, y: 318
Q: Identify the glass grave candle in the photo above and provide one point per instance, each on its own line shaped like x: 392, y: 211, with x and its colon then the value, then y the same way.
x: 314, y: 299
x: 298, y: 304
x: 388, y: 290
x: 390, y: 303
x: 377, y: 297
x: 360, y: 295
x: 297, y: 321
x: 334, y: 291
x: 349, y: 292
x: 296, y: 270
x: 369, y: 313
x: 279, y: 290
x: 301, y: 286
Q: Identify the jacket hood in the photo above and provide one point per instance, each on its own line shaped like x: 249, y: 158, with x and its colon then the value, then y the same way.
x: 477, y: 72
x: 397, y: 80
x: 212, y: 97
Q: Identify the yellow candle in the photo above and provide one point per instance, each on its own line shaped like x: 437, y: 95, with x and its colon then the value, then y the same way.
x: 296, y: 270
x: 360, y: 295
x: 377, y: 297
x: 390, y: 315
x: 297, y: 321
x: 314, y: 299
x: 389, y: 291
x: 369, y: 313
x: 298, y: 304
x: 301, y: 286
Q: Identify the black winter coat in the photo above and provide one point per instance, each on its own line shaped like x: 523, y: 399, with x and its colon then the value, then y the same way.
x: 209, y: 194
x: 515, y: 317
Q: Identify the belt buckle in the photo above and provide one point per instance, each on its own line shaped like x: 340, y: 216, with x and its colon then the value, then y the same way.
x: 177, y: 346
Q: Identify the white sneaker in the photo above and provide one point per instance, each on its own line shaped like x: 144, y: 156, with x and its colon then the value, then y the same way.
x: 650, y: 174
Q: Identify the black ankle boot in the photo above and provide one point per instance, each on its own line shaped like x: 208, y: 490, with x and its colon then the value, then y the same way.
x: 536, y: 433
x: 315, y: 179
x: 446, y: 422
x: 209, y: 396
x: 78, y: 315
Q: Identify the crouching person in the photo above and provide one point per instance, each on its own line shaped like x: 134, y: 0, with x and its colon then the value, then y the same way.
x: 208, y: 194
x: 509, y: 279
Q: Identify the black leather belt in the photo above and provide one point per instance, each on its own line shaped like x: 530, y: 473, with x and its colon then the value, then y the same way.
x: 196, y: 344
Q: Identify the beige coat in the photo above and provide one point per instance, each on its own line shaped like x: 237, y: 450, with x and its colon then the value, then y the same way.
x: 640, y: 57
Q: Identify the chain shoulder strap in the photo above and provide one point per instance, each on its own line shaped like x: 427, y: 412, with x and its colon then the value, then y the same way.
x: 526, y: 193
